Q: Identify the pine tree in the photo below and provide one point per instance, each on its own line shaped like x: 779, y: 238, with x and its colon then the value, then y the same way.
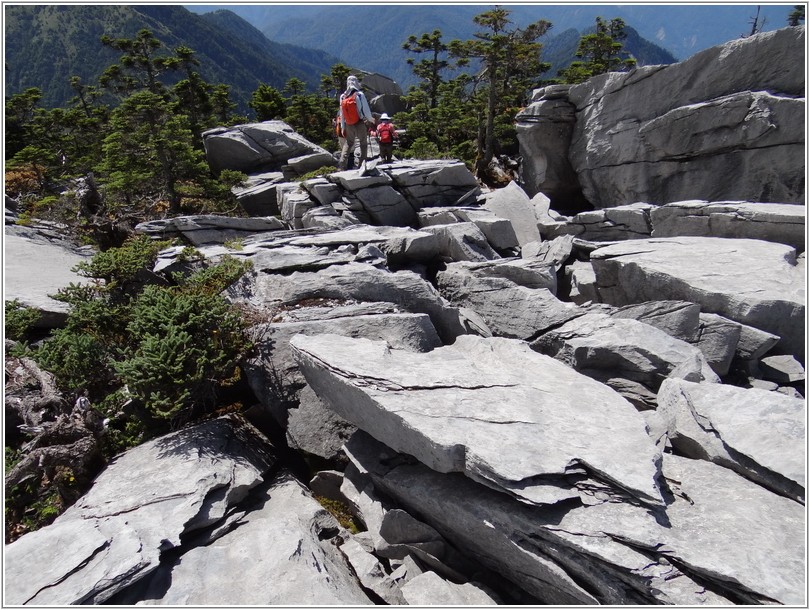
x: 796, y: 16
x: 428, y: 70
x: 600, y: 52
x: 140, y: 67
x: 148, y: 155
x: 510, y: 61
x: 268, y: 103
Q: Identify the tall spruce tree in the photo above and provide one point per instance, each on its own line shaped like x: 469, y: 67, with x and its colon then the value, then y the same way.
x: 428, y: 70
x: 510, y: 61
x: 149, y: 154
x: 600, y: 52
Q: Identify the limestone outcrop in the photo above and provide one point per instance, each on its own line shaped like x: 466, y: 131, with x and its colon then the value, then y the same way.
x: 473, y: 398
x: 727, y: 123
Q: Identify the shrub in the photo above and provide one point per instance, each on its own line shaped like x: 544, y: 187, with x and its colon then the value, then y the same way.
x: 162, y: 346
x: 183, y: 342
x: 321, y: 171
x: 19, y: 320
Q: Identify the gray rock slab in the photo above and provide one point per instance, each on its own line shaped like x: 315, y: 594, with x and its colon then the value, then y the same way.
x: 458, y: 407
x: 273, y: 373
x: 310, y: 162
x: 287, y: 259
x: 512, y: 202
x: 508, y: 309
x: 354, y: 179
x: 604, y: 347
x: 315, y: 429
x: 372, y: 573
x: 754, y: 343
x: 137, y: 508
x: 681, y: 319
x: 757, y: 433
x: 544, y: 129
x: 322, y: 190
x: 359, y: 282
x: 398, y: 243
x: 709, y: 509
x: 255, y: 146
x: 386, y: 206
x: 717, y: 340
x: 209, y: 229
x: 498, y: 231
x: 749, y: 281
x: 724, y: 124
x: 433, y: 182
x: 35, y: 270
x: 258, y: 196
x: 293, y: 205
x: 431, y: 589
x: 616, y: 223
x: 583, y: 283
x: 530, y: 546
x: 324, y: 218
x: 782, y: 369
x: 281, y: 553
x: 777, y: 222
x: 463, y: 242
x: 530, y: 273
x: 553, y: 252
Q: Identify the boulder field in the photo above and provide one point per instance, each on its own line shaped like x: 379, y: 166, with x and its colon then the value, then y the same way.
x: 512, y: 405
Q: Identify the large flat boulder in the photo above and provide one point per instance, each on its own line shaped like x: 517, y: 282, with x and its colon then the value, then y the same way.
x: 507, y: 308
x: 617, y: 351
x: 781, y: 223
x: 273, y: 374
x: 726, y: 124
x: 253, y: 147
x: 36, y: 269
x: 492, y: 409
x: 207, y: 229
x: 757, y: 433
x: 720, y: 540
x: 753, y: 282
x: 281, y: 552
x: 141, y: 506
x: 357, y: 282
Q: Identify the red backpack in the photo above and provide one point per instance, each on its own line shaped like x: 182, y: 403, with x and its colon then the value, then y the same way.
x: 348, y: 105
x: 385, y: 132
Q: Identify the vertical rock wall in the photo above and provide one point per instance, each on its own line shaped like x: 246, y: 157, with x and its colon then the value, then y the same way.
x: 726, y: 124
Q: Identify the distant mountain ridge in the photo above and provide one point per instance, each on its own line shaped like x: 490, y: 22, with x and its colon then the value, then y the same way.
x: 356, y: 33
x: 46, y: 45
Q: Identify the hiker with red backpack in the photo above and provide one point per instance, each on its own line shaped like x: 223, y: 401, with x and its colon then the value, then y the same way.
x: 386, y: 134
x: 355, y: 119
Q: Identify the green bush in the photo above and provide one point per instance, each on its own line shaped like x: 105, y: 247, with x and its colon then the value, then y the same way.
x: 182, y: 343
x: 120, y: 267
x: 161, y: 346
x: 19, y: 320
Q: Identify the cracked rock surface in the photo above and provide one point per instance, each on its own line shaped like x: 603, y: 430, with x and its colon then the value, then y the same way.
x: 753, y: 282
x: 457, y: 407
x: 138, y: 508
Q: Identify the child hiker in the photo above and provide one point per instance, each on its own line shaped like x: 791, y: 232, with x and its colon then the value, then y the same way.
x: 386, y: 134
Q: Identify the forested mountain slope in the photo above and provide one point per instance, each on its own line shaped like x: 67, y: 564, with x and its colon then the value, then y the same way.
x: 47, y: 44
x: 371, y: 36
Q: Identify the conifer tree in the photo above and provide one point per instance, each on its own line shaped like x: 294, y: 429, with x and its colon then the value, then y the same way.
x: 140, y: 67
x: 796, y: 16
x: 268, y: 103
x: 510, y: 62
x: 428, y: 70
x: 600, y: 52
x: 149, y: 154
